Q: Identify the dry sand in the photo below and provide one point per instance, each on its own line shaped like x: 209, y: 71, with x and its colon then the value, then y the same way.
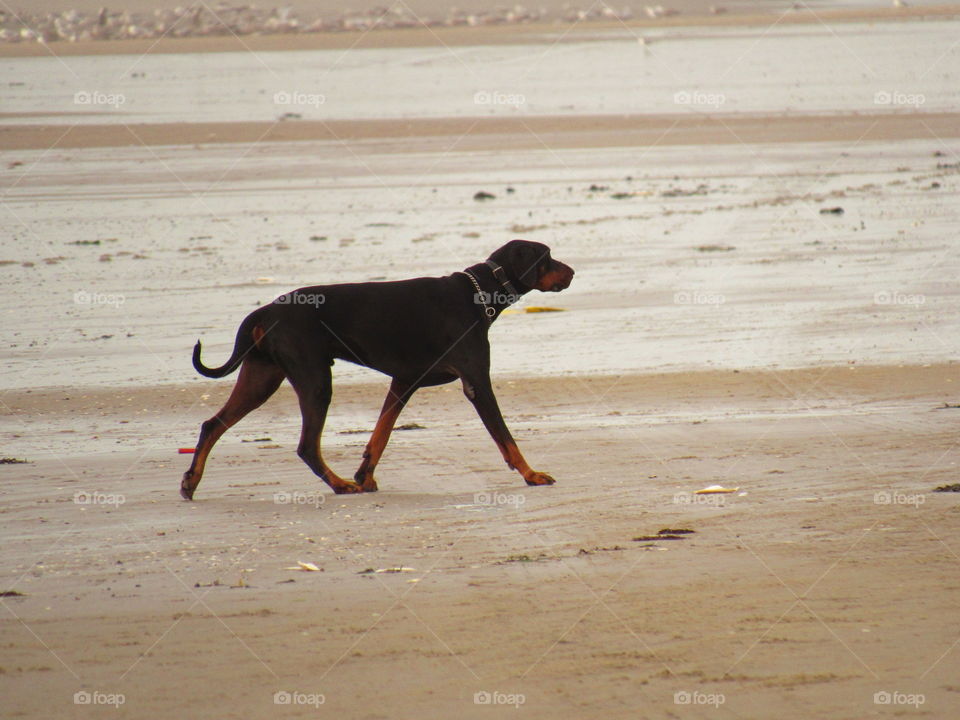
x: 720, y: 330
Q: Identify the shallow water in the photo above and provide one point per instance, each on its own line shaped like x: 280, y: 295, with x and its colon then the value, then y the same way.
x: 804, y: 68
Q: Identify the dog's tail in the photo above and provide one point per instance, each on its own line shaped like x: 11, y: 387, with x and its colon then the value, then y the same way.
x: 241, y: 346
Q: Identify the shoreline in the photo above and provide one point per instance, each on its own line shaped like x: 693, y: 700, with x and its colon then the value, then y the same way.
x: 882, y: 382
x: 484, y: 133
x: 540, y: 32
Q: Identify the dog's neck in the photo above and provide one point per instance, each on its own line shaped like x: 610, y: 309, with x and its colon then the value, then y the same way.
x: 496, y: 291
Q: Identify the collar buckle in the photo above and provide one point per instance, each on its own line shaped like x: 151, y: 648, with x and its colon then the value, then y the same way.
x: 504, y: 281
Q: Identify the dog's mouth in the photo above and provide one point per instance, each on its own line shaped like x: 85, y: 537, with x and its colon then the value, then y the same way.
x: 555, y: 280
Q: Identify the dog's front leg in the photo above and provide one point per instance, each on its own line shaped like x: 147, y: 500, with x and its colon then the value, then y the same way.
x: 479, y: 391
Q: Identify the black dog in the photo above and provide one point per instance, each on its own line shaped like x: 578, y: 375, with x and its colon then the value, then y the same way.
x: 421, y: 332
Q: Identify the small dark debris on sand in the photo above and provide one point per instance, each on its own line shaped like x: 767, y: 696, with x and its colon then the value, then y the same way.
x: 831, y: 211
x: 948, y: 406
x: 715, y: 248
x: 260, y: 439
x: 621, y: 196
x: 665, y: 534
x: 13, y: 461
x: 614, y: 548
x: 410, y: 426
x: 11, y: 593
x: 948, y: 488
x: 481, y: 195
x: 700, y: 189
x: 525, y: 559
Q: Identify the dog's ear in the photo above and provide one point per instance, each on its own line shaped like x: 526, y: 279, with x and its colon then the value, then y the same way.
x: 527, y: 260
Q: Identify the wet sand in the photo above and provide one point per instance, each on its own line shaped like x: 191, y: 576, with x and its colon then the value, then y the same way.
x: 763, y: 301
x: 524, y: 133
x: 823, y: 581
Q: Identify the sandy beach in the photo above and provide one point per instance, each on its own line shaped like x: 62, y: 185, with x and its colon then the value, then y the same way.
x: 764, y: 301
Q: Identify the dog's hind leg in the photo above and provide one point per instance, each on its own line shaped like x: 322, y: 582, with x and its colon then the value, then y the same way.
x: 397, y: 397
x: 315, y: 390
x: 258, y: 380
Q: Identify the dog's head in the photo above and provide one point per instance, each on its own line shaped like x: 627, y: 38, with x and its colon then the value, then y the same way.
x: 530, y: 267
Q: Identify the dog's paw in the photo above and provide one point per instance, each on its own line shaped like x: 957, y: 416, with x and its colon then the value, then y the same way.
x: 539, y: 478
x: 186, y: 487
x: 366, y: 481
x: 347, y: 487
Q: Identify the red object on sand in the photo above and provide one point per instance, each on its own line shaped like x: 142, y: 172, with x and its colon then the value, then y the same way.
x: 186, y: 451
